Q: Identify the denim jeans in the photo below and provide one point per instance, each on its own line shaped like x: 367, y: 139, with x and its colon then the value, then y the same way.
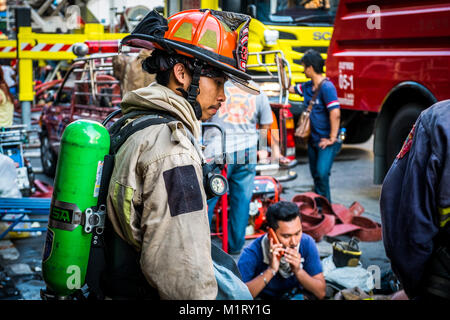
x: 240, y: 181
x: 320, y: 163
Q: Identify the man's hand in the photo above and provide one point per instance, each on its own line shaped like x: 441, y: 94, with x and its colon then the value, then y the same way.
x: 292, y: 89
x: 294, y: 258
x: 275, y: 250
x: 324, y: 142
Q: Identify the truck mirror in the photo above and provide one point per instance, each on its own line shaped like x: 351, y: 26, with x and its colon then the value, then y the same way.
x: 281, y: 66
x: 251, y: 10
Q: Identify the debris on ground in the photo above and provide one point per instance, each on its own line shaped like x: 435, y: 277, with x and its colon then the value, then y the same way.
x: 357, y: 293
x: 8, y: 251
x: 347, y: 277
x: 8, y: 290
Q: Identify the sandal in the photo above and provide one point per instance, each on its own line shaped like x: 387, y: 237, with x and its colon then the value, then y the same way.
x: 284, y: 161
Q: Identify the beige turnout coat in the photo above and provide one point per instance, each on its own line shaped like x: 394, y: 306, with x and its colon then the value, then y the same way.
x: 156, y: 200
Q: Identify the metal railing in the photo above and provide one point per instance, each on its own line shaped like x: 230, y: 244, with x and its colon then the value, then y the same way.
x: 24, y: 210
x: 282, y: 75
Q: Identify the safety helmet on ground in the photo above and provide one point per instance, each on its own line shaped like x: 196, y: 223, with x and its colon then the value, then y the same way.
x: 207, y: 36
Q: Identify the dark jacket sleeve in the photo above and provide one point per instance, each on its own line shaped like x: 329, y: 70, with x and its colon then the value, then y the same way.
x: 415, y: 187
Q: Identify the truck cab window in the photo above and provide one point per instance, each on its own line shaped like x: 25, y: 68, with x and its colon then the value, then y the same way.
x: 307, y: 12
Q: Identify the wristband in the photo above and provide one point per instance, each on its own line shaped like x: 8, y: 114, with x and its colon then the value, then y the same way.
x: 264, y: 278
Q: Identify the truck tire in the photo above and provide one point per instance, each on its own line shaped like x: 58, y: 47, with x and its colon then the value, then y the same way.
x: 48, y: 156
x: 399, y: 129
x: 360, y: 129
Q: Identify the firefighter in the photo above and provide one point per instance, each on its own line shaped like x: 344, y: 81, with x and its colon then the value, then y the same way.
x: 415, y: 207
x: 156, y: 201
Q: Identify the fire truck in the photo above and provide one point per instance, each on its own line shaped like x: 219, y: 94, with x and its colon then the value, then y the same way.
x: 390, y: 60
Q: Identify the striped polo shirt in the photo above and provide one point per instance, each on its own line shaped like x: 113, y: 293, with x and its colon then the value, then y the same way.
x: 320, y: 115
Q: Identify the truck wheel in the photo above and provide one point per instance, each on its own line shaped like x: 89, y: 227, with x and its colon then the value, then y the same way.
x: 48, y: 156
x: 399, y: 129
x: 360, y: 129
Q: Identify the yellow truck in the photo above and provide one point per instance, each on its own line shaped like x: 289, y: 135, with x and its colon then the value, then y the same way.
x: 289, y: 26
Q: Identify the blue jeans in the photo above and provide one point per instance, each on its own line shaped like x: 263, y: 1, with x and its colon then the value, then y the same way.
x: 240, y: 181
x: 320, y: 162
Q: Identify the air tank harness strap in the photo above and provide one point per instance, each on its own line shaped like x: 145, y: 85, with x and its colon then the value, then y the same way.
x: 120, y: 134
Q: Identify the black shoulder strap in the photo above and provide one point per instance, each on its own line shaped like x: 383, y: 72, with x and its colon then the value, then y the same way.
x: 119, y: 135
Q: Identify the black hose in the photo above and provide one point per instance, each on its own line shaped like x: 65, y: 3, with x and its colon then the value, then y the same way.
x: 110, y: 116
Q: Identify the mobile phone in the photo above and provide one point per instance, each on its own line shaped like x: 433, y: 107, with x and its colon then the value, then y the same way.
x: 273, y: 236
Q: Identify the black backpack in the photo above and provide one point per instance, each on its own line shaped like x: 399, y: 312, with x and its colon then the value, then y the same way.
x: 113, y: 267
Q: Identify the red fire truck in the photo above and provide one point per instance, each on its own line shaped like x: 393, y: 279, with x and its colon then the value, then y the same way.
x: 389, y: 60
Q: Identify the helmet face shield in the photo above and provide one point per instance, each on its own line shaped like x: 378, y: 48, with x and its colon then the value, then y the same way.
x: 247, y: 86
x: 212, y: 72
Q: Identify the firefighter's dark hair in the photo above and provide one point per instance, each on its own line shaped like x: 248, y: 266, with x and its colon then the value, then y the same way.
x: 313, y: 58
x: 161, y: 63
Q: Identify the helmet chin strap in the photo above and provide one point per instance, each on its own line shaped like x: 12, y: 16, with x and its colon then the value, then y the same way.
x: 194, y: 90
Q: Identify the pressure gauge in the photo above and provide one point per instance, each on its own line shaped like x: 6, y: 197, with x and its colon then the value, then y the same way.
x: 218, y: 185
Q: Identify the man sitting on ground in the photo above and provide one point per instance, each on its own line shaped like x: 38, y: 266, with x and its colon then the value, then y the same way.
x: 298, y: 272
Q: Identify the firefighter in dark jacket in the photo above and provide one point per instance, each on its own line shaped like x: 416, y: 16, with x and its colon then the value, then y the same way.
x: 415, y: 207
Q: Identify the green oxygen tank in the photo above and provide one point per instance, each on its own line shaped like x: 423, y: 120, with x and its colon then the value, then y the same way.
x: 84, y: 145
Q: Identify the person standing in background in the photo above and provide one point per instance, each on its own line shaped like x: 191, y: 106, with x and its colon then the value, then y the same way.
x: 239, y: 116
x: 6, y: 103
x: 323, y: 144
x: 9, y: 75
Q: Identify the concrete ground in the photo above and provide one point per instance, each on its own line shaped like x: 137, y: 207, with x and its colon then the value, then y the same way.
x: 351, y: 180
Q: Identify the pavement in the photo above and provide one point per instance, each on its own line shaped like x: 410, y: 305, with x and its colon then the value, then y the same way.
x: 20, y: 268
x: 351, y: 180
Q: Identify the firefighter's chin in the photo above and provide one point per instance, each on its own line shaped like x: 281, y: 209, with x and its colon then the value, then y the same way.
x: 212, y: 110
x: 208, y: 113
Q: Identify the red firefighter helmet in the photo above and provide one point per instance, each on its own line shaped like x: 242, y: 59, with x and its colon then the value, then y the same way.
x: 208, y: 35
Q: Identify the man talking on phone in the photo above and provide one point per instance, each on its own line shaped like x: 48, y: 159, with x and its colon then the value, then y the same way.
x: 286, y: 265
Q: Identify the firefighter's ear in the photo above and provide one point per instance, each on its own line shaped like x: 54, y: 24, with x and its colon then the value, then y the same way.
x: 181, y: 75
